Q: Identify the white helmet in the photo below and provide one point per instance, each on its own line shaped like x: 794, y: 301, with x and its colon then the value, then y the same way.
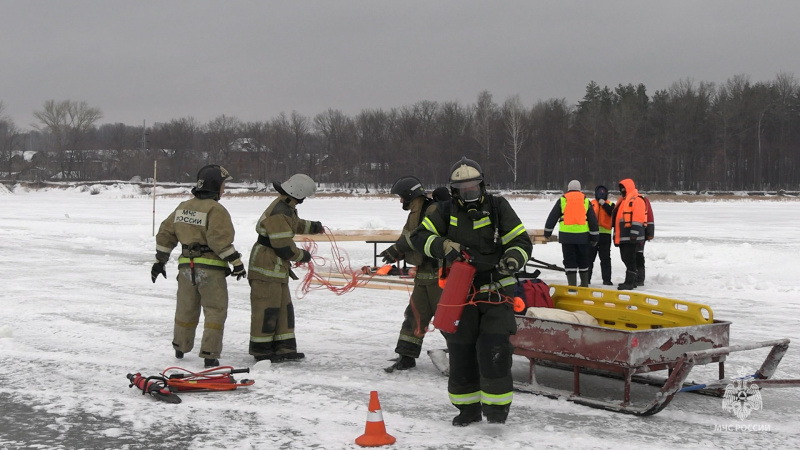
x: 466, y: 183
x: 298, y: 186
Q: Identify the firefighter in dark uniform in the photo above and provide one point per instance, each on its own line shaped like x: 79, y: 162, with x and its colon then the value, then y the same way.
x: 272, y: 313
x: 426, y: 293
x: 602, y: 210
x: 487, y: 229
x: 204, y: 229
x: 577, y: 232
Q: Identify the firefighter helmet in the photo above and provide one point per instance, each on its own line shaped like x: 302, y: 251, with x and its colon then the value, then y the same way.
x: 601, y: 192
x: 441, y: 194
x: 408, y: 188
x: 298, y: 186
x: 466, y: 183
x: 209, y: 181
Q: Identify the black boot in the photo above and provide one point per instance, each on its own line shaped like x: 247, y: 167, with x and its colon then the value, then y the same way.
x: 292, y: 356
x: 640, y: 276
x: 402, y: 362
x: 630, y: 282
x: 584, y: 278
x: 469, y: 414
x: 605, y: 270
x: 178, y: 354
x: 572, y: 278
x: 211, y: 362
x: 496, y: 413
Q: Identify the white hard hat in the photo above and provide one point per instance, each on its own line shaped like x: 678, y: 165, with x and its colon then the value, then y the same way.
x: 298, y: 186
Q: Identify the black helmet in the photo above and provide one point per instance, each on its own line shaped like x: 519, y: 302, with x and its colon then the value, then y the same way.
x: 601, y: 192
x: 408, y: 188
x: 209, y: 181
x: 442, y: 194
x: 466, y: 183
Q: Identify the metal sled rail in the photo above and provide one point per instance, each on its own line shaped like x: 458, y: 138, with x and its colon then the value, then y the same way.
x: 627, y: 353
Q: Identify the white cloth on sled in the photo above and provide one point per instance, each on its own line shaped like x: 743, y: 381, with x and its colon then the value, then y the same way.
x: 562, y: 315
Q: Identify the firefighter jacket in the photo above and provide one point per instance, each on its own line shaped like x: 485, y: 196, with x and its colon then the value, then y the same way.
x: 603, y: 213
x: 273, y: 252
x: 498, y: 233
x: 205, y: 230
x: 425, y: 264
x: 630, y: 216
x: 576, y: 219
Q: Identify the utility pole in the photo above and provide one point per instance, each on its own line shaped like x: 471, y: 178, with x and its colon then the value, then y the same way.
x: 155, y: 172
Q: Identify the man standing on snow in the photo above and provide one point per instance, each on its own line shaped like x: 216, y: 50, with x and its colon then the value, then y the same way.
x: 487, y: 229
x: 577, y: 232
x: 426, y: 293
x: 602, y: 209
x: 272, y: 312
x: 629, y: 219
x: 204, y: 229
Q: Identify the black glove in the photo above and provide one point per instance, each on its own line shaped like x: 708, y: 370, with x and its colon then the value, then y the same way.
x: 316, y: 228
x: 508, y: 265
x: 306, y: 256
x: 390, y: 255
x: 452, y: 251
x: 593, y: 240
x: 238, y: 271
x: 158, y: 268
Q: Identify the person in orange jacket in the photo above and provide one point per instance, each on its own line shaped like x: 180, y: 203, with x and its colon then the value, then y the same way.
x: 628, y: 220
x: 603, y: 210
x: 577, y: 232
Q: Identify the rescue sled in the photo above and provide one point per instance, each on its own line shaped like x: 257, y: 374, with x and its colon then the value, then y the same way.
x: 637, y: 333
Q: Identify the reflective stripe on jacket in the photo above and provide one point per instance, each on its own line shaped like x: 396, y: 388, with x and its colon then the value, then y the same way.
x: 603, y: 217
x: 277, y: 226
x: 573, y: 213
x: 630, y: 215
x: 204, y: 222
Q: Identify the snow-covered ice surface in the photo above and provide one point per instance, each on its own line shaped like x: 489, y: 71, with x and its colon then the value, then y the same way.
x: 78, y: 312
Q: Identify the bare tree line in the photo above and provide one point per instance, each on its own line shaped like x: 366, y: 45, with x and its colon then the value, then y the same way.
x: 737, y: 135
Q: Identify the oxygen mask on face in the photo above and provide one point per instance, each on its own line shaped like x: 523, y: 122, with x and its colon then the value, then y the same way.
x: 470, y: 196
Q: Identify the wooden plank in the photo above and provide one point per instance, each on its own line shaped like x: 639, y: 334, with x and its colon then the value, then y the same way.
x: 390, y: 287
x: 537, y: 236
x: 374, y: 279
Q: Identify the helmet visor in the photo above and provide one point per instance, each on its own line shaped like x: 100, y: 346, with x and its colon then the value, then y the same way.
x: 469, y: 191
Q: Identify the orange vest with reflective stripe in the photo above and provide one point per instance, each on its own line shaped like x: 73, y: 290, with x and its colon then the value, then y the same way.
x: 573, y: 209
x: 603, y: 218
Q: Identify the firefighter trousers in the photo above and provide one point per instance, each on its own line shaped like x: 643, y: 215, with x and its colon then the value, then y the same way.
x: 480, y: 356
x: 210, y: 292
x: 271, y: 318
x: 418, y: 314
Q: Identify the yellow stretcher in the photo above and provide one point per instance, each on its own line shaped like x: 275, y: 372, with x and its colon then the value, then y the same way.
x: 630, y: 310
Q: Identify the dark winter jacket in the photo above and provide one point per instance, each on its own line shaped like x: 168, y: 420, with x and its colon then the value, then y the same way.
x: 498, y: 234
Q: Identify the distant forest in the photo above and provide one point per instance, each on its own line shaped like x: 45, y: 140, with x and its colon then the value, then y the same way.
x: 691, y: 136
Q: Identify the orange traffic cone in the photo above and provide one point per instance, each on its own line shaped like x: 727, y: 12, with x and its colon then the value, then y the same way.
x: 375, y: 433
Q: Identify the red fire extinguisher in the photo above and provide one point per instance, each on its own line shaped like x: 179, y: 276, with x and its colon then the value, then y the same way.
x: 454, y: 296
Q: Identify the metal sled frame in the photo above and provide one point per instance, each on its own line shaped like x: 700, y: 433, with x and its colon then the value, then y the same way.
x: 624, y: 354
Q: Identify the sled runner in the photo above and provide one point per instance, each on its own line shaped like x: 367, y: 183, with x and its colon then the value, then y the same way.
x: 638, y: 333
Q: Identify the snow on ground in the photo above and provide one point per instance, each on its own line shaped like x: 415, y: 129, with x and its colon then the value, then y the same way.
x: 79, y: 312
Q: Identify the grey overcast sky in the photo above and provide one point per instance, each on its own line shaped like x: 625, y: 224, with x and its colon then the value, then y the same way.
x: 160, y: 60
